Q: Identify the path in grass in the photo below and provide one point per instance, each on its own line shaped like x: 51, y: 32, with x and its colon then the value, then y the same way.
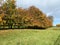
x: 28, y: 37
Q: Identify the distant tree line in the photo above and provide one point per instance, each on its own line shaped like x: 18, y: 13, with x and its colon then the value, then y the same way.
x: 57, y: 25
x: 32, y: 17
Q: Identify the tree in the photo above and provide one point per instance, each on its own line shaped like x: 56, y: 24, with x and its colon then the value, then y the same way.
x: 51, y: 18
x: 38, y: 17
x: 20, y: 17
x: 9, y: 7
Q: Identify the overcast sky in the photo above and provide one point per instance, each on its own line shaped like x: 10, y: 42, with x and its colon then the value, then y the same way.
x: 50, y: 7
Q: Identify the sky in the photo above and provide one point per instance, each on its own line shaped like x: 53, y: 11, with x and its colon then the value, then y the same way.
x: 49, y: 7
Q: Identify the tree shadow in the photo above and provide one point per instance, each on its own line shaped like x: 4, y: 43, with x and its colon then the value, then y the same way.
x: 34, y: 27
x: 57, y: 42
x: 27, y: 27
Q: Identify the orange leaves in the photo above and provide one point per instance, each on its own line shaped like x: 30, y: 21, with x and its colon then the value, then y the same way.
x: 1, y: 16
x: 0, y: 19
x: 25, y: 17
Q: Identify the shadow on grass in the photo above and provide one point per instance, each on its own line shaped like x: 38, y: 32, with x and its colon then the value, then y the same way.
x: 28, y: 27
x: 23, y: 28
x: 57, y: 42
x: 19, y: 28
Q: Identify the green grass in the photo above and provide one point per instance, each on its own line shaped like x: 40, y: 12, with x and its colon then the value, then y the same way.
x: 28, y: 37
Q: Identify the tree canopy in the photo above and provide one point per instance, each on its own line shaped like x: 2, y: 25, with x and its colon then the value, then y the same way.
x: 31, y: 17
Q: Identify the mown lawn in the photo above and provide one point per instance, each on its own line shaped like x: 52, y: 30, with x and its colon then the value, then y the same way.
x: 28, y: 37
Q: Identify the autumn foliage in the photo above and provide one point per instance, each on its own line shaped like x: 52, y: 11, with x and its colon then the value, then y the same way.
x: 23, y: 18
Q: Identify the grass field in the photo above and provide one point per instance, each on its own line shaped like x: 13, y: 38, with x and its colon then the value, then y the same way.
x: 28, y: 36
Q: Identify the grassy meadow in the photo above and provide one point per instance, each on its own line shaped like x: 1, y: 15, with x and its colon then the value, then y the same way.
x: 29, y: 36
